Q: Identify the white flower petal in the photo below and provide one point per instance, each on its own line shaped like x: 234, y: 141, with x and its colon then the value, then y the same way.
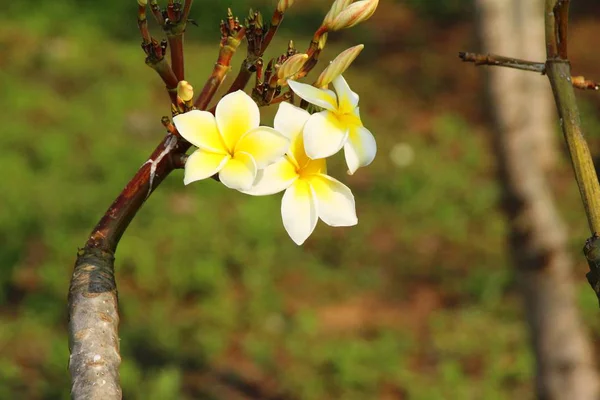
x: 274, y: 179
x: 290, y: 120
x: 324, y: 135
x: 319, y: 97
x: 203, y: 164
x: 200, y: 129
x: 299, y: 211
x: 347, y: 99
x: 360, y: 149
x: 335, y: 201
x: 266, y: 145
x: 236, y: 114
x: 239, y: 172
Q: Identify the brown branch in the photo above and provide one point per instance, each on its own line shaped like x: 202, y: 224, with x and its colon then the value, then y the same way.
x: 578, y: 82
x: 176, y: 48
x: 258, y: 42
x: 500, y: 61
x: 268, y: 37
x: 175, y: 30
x: 93, y: 304
x: 221, y: 68
x: 561, y: 14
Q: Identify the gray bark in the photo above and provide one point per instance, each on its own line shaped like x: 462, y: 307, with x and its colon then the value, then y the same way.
x: 520, y: 110
x: 93, y: 328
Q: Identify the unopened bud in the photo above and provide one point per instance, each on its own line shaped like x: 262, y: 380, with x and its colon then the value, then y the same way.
x: 142, y: 3
x: 338, y: 66
x: 283, y: 5
x: 336, y: 8
x: 185, y: 91
x: 290, y: 67
x: 354, y: 14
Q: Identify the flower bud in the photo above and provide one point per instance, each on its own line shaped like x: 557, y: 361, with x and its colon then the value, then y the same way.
x: 142, y: 3
x: 290, y: 67
x: 185, y: 91
x: 354, y: 14
x: 338, y: 66
x: 336, y: 8
x: 283, y: 5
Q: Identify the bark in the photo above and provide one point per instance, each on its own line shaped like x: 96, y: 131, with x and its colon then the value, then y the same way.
x: 520, y: 111
x: 93, y: 327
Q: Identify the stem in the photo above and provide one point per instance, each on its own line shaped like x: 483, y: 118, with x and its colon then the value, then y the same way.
x: 220, y: 70
x: 558, y: 70
x: 163, y: 69
x: 176, y: 46
x: 112, y: 225
x: 275, y: 23
x: 559, y: 74
x: 500, y: 61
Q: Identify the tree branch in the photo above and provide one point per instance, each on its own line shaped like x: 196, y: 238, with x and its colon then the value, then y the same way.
x: 578, y: 82
x: 500, y: 61
x: 93, y: 303
x: 558, y: 70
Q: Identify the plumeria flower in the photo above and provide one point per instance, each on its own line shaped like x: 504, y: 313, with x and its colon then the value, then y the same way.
x: 338, y: 126
x: 230, y: 143
x: 310, y: 193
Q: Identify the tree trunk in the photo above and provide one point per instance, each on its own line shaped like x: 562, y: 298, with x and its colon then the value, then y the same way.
x: 520, y: 110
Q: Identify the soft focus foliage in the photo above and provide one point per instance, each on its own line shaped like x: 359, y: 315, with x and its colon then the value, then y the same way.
x: 387, y: 309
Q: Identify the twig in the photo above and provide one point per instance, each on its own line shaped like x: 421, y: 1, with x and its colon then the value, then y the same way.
x: 500, y: 61
x: 578, y: 82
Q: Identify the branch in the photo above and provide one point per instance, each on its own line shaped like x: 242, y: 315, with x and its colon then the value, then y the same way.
x: 500, y: 61
x: 93, y: 304
x: 558, y: 70
x: 174, y: 27
x: 258, y: 42
x: 578, y: 82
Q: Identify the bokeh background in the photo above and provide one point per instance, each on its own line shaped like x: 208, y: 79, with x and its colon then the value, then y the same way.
x: 419, y: 301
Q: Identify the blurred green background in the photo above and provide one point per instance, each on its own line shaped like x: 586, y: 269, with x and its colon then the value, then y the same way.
x: 418, y: 301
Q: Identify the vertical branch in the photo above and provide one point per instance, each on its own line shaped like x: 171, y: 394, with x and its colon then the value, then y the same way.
x: 175, y: 30
x: 558, y: 70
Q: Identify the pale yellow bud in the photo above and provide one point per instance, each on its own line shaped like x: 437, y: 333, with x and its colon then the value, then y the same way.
x: 185, y: 91
x: 142, y: 3
x: 336, y: 8
x: 290, y: 67
x: 283, y: 5
x: 338, y: 66
x: 354, y: 14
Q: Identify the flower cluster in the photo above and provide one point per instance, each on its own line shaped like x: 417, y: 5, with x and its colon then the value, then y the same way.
x: 290, y: 157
